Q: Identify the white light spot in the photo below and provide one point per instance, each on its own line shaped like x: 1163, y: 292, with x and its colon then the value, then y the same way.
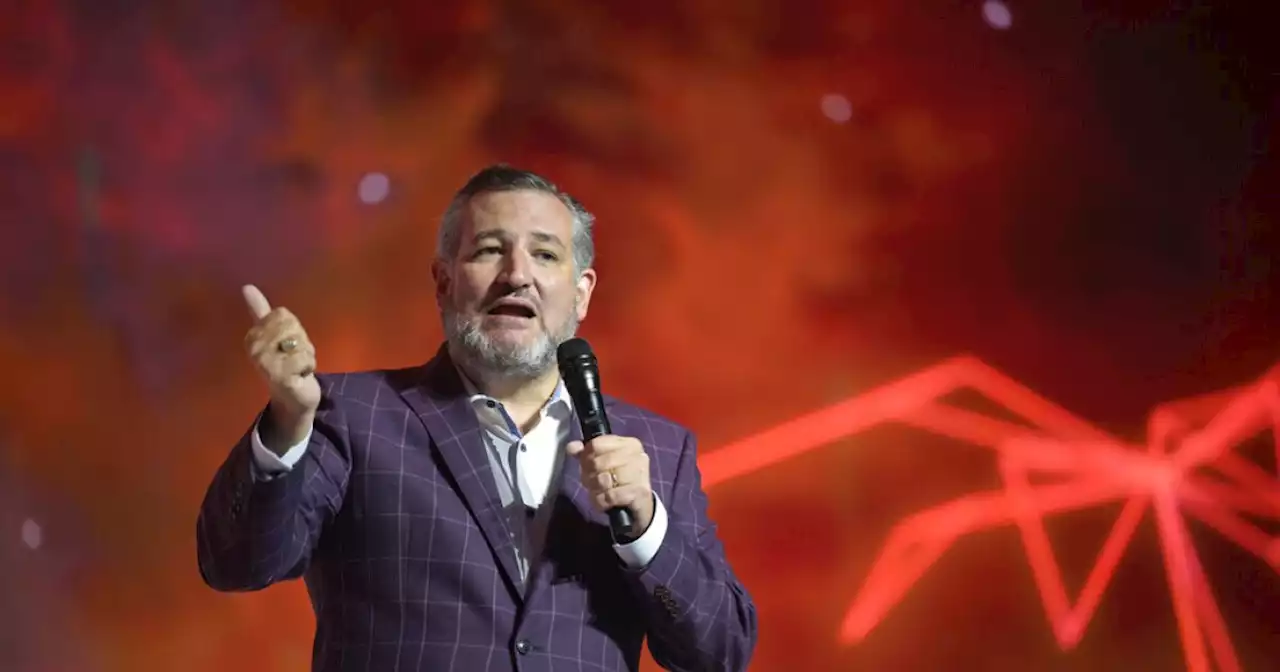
x: 32, y: 536
x: 997, y: 14
x: 374, y: 188
x: 837, y: 108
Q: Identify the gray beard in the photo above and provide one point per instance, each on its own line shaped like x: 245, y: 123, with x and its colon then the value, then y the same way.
x: 519, y: 362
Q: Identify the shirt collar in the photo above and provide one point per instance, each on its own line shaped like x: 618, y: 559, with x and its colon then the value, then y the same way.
x: 493, y: 416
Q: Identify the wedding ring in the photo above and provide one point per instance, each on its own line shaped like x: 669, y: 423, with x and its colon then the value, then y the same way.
x: 613, y: 480
x: 287, y: 345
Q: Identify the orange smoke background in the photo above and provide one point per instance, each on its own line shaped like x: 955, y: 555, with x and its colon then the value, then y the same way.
x: 796, y: 203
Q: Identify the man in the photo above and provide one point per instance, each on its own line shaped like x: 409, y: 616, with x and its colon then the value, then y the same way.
x: 448, y: 516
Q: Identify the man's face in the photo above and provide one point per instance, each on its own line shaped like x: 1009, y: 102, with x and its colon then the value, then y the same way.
x: 511, y: 295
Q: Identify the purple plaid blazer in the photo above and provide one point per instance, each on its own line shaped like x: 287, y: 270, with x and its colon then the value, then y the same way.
x: 394, y: 520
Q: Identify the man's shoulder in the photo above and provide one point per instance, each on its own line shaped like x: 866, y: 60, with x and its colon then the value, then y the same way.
x: 637, y: 418
x: 366, y: 384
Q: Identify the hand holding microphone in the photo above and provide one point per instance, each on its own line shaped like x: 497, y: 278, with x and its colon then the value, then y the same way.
x: 615, y: 469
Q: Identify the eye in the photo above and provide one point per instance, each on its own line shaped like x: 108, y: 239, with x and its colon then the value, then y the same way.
x: 546, y: 255
x: 486, y: 250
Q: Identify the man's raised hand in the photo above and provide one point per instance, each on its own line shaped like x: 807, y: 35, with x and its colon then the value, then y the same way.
x: 278, y: 346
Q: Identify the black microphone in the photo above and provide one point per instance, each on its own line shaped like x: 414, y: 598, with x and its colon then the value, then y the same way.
x: 581, y: 375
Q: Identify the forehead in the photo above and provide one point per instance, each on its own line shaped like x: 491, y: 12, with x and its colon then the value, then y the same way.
x: 518, y: 213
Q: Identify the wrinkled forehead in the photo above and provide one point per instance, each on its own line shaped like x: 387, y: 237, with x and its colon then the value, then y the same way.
x: 519, y: 215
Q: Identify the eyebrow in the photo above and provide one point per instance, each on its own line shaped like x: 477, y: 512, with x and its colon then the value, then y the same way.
x: 538, y: 236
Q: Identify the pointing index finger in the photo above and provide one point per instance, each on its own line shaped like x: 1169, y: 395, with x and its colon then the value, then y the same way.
x: 256, y: 300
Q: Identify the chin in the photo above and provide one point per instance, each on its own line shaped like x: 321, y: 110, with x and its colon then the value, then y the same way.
x: 515, y: 344
x: 527, y: 349
x: 512, y: 338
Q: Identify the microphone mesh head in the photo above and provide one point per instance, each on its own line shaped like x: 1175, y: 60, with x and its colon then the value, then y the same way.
x: 572, y: 349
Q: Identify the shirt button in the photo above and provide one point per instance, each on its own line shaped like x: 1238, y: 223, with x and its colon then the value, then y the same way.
x: 524, y: 448
x: 523, y: 647
x: 491, y: 403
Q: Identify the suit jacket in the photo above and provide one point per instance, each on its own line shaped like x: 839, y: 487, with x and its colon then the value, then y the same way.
x: 393, y: 518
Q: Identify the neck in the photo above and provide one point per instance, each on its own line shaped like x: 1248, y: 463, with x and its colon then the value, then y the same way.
x: 518, y: 391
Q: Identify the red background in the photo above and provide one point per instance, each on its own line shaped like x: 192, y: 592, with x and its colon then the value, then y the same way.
x: 1084, y: 201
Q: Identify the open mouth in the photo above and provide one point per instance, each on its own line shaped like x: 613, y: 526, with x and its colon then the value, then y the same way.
x: 513, y: 310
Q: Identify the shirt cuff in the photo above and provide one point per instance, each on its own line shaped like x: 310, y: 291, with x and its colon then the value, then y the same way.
x: 267, y: 465
x: 637, y: 554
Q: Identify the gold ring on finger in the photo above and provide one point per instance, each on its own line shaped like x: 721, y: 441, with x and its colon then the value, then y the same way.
x: 613, y: 480
x: 288, y: 345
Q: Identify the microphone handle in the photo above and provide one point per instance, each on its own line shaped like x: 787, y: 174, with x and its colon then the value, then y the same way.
x: 620, y: 522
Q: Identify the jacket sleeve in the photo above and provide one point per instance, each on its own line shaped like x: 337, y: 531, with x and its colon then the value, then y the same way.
x: 253, y: 529
x: 700, y: 616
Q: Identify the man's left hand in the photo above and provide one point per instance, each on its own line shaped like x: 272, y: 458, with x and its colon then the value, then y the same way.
x: 615, y: 470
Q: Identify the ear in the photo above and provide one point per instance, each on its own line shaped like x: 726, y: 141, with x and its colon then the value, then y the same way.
x: 585, y: 286
x: 440, y: 274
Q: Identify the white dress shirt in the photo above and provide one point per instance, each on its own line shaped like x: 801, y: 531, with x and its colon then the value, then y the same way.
x: 525, y: 465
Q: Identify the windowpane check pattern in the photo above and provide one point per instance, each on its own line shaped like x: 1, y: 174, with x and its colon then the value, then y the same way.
x: 394, y: 520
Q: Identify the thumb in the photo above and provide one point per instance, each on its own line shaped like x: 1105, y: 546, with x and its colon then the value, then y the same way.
x: 256, y: 300
x: 575, y: 448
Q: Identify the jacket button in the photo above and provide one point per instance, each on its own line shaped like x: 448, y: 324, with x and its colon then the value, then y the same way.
x: 523, y: 647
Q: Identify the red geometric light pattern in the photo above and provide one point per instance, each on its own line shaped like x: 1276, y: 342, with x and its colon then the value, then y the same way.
x: 1186, y: 468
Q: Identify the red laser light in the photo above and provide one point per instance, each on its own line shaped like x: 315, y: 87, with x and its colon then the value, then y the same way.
x: 1186, y: 440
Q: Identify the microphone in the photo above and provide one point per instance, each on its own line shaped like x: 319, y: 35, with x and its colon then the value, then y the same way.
x: 581, y: 375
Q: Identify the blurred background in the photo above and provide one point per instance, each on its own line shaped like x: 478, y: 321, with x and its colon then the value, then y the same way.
x: 798, y: 203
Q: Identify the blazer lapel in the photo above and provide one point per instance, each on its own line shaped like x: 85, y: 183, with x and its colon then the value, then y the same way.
x: 572, y: 509
x: 571, y: 487
x: 440, y: 401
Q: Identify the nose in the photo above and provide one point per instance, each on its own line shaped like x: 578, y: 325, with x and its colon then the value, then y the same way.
x: 517, y: 269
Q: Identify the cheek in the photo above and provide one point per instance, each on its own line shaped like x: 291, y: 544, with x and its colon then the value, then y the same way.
x: 466, y: 292
x: 560, y: 304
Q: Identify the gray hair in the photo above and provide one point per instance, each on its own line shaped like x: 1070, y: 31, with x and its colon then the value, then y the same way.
x: 501, y: 177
